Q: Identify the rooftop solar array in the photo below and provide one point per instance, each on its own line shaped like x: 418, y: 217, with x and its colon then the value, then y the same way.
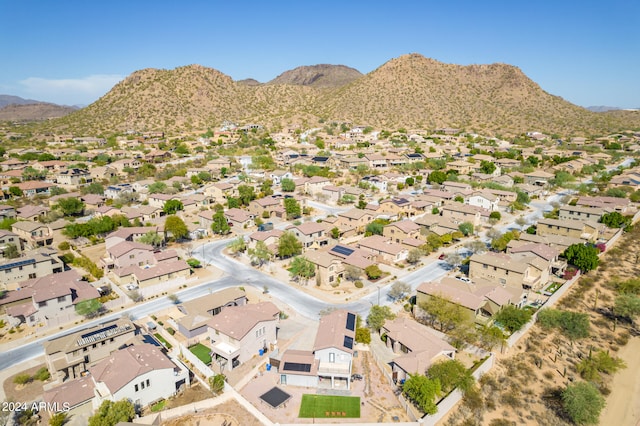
x: 16, y: 264
x: 345, y: 251
x: 295, y: 366
x: 351, y: 322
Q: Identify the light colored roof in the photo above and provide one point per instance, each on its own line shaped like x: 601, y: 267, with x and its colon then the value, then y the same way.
x: 406, y: 226
x: 308, y: 228
x: 212, y: 301
x: 163, y: 268
x: 456, y: 295
x: 299, y: 357
x: 138, y: 359
x: 333, y: 330
x: 237, y: 321
x: 125, y: 247
x: 73, y: 392
x: 381, y: 244
x: 70, y: 342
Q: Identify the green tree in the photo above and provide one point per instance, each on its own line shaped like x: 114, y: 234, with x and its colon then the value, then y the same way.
x: 361, y: 202
x: 495, y: 215
x: 287, y: 185
x: 487, y: 167
x: 216, y: 383
x: 363, y: 335
x: 260, y: 254
x: 414, y: 256
x: 266, y: 188
x: 193, y: 263
x: 288, y: 245
x: 627, y: 306
x: 246, y: 194
x: 583, y: 257
x: 176, y: 227
x: 93, y: 188
x: 378, y: 315
x: 152, y: 238
x: 434, y: 241
x: 335, y: 233
x: 451, y: 374
x: 615, y: 220
x: 574, y: 325
x: 59, y: 419
x: 399, y: 289
x: 6, y: 223
x: 373, y: 272
x: 292, y: 208
x: 15, y: 191
x: 459, y: 199
x: 352, y: 273
x: 423, y: 391
x: 437, y: 176
x: 11, y: 251
x: 233, y: 203
x: 158, y: 188
x: 591, y: 367
x: 111, y: 413
x: 442, y: 310
x: 466, y: 228
x: 301, y: 267
x: 583, y: 403
x: 219, y: 223
x: 374, y: 228
x: 89, y: 308
x: 237, y: 245
x: 172, y: 206
x: 29, y: 173
x: 513, y: 318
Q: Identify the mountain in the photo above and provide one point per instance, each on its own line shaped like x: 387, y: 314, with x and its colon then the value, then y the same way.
x: 318, y: 76
x: 249, y: 82
x: 410, y: 91
x: 34, y: 112
x: 15, y: 100
x: 602, y: 108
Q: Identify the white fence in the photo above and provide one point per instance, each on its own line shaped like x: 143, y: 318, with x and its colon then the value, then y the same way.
x: 202, y: 368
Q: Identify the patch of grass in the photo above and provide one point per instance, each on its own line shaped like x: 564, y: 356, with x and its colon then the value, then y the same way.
x: 202, y: 352
x: 163, y: 341
x: 158, y: 406
x: 329, y: 406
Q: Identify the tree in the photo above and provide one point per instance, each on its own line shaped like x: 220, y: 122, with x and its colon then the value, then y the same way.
x: 352, y: 273
x: 599, y: 362
x: 373, y: 272
x: 378, y: 315
x: 495, y: 215
x: 266, y: 188
x: 287, y: 185
x: 292, y: 208
x: 398, y: 290
x: 459, y: 199
x: 157, y: 188
x: 627, y: 306
x: 476, y: 246
x: 361, y: 202
x: 172, y: 206
x: 301, y: 267
x: 423, y: 391
x: 89, y: 308
x: 246, y: 194
x: 193, y: 263
x: 152, y: 238
x: 233, y: 203
x: 583, y: 402
x: 521, y: 221
x: 11, y: 251
x: 70, y: 206
x: 111, y: 413
x: 29, y: 173
x: 414, y: 256
x: 437, y: 176
x: 583, y: 257
x: 574, y: 325
x: 176, y: 227
x: 335, y: 232
x: 512, y: 318
x: 466, y: 228
x: 454, y: 259
x: 6, y: 223
x: 487, y: 167
x: 441, y: 309
x: 238, y: 245
x: 490, y: 337
x: 615, y: 220
x: 374, y: 228
x: 434, y: 241
x: 219, y: 223
x: 260, y: 254
x: 93, y: 188
x: 363, y: 335
x: 216, y: 383
x: 289, y: 245
x: 15, y: 191
x: 59, y: 419
x: 451, y: 374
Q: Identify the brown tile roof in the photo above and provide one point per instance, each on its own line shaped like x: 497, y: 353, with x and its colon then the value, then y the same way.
x: 333, y: 330
x: 237, y: 321
x: 125, y: 247
x: 163, y: 268
x: 456, y: 295
x: 291, y: 356
x: 73, y: 392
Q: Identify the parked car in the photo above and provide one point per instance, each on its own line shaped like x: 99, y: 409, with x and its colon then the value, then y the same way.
x: 356, y: 377
x: 463, y: 279
x: 442, y: 256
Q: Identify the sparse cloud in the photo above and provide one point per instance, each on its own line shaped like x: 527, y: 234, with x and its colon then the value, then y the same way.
x: 71, y: 91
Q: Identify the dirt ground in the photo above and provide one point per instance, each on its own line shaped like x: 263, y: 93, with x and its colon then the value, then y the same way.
x: 230, y: 413
x: 24, y: 393
x: 525, y: 386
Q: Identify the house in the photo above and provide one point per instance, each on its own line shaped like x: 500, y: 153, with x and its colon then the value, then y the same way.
x: 277, y: 175
x: 150, y: 376
x: 158, y: 200
x: 585, y: 230
x: 73, y: 177
x: 239, y: 218
x: 459, y: 213
x: 398, y: 231
x: 271, y: 205
x: 461, y: 166
x: 7, y: 239
x: 385, y: 250
x: 396, y: 207
x: 32, y: 188
x: 198, y: 312
x: 355, y: 218
x: 538, y: 177
x: 93, y: 201
x: 147, y: 276
x: 333, y: 347
x: 7, y: 212
x: 418, y: 345
x: 517, y: 271
x: 612, y: 203
x: 33, y: 234
x: 115, y: 191
x: 103, y: 172
x: 69, y: 356
x: 36, y: 264
x: 157, y: 156
x: 238, y: 333
x: 32, y: 212
x: 132, y: 233
x: 569, y: 212
x: 329, y: 268
x: 315, y: 184
x: 47, y: 300
x: 484, y: 200
x: 128, y: 253
x: 332, y: 193
x: 312, y: 235
x: 299, y: 368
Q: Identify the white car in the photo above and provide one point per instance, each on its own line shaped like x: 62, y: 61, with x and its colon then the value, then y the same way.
x: 463, y: 279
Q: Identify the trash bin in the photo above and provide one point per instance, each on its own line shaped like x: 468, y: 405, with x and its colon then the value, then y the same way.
x: 268, y: 367
x: 261, y: 352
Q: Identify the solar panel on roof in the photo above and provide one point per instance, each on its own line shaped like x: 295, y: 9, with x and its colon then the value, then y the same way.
x: 351, y: 322
x: 16, y: 264
x: 102, y: 330
x: 348, y: 342
x: 295, y: 366
x: 346, y: 251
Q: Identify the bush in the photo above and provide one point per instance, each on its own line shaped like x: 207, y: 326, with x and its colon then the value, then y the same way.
x: 171, y: 331
x: 495, y: 215
x: 42, y: 374
x: 373, y: 272
x: 64, y: 245
x: 22, y: 379
x: 358, y: 284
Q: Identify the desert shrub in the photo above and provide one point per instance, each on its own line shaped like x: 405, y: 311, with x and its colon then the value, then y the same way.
x: 42, y: 374
x: 358, y: 284
x: 22, y: 379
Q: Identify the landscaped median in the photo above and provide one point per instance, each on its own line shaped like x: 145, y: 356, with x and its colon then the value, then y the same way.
x: 329, y: 406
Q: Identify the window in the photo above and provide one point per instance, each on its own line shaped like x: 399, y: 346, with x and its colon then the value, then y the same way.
x: 135, y: 387
x: 42, y: 304
x: 332, y: 357
x: 62, y: 298
x: 148, y: 383
x: 131, y: 256
x: 142, y: 385
x: 32, y: 276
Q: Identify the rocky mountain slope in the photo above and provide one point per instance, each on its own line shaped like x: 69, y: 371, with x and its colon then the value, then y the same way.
x: 318, y: 76
x: 410, y: 91
x: 34, y: 112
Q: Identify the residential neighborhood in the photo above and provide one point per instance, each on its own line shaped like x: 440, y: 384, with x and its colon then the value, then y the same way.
x: 173, y: 271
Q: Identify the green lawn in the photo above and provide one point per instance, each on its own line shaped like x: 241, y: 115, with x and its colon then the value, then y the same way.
x: 202, y: 352
x: 328, y: 406
x: 163, y: 341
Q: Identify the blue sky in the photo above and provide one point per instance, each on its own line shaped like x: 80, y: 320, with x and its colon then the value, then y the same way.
x: 73, y: 52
